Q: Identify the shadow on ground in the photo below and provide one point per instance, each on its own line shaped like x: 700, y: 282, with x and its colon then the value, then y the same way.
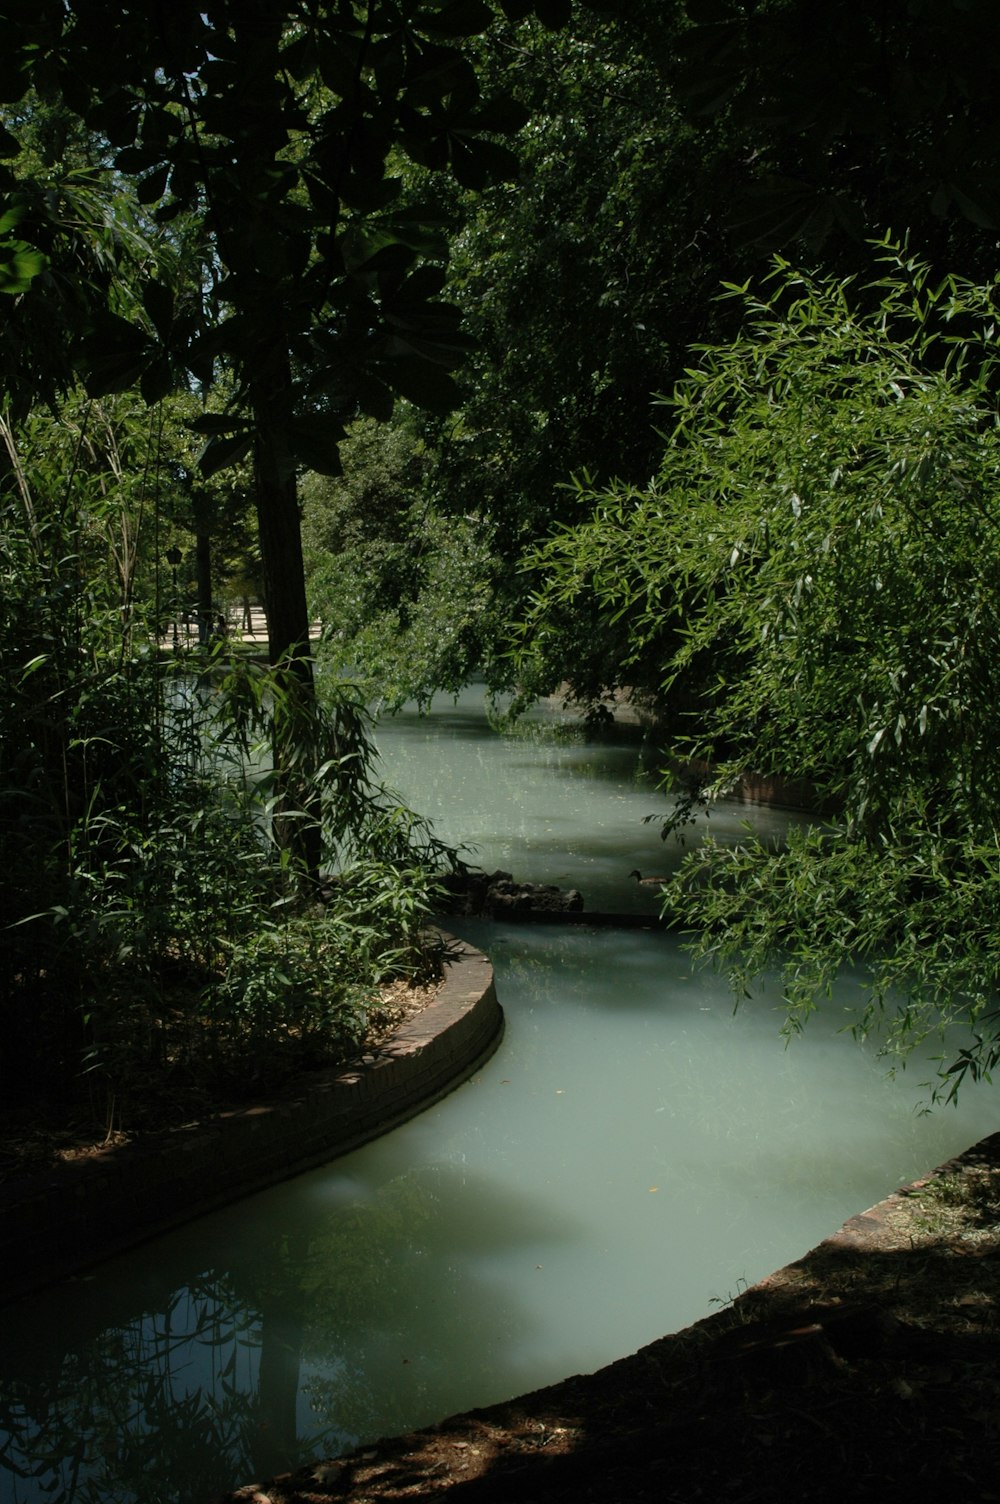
x: 868, y: 1370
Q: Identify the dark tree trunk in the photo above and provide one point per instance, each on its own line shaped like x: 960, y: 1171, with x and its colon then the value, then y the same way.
x: 278, y: 512
x: 297, y: 818
x: 275, y: 1436
x: 203, y: 572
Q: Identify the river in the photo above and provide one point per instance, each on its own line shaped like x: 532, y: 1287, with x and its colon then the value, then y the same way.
x: 635, y: 1153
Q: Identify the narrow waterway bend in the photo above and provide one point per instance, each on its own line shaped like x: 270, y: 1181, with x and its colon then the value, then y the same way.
x: 635, y: 1152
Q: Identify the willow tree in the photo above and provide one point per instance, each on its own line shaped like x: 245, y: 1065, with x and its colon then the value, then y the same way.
x: 812, y: 573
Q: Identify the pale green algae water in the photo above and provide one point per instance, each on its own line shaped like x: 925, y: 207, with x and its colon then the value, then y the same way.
x: 634, y: 1153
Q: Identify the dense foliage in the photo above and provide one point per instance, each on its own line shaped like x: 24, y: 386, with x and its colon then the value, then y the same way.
x: 813, y: 571
x: 403, y: 589
x: 581, y: 281
x: 157, y: 934
x: 273, y: 138
x: 854, y: 121
x: 341, y: 297
x: 208, y: 211
x: 669, y: 148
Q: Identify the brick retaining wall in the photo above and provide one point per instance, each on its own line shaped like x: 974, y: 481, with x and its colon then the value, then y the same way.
x: 56, y: 1223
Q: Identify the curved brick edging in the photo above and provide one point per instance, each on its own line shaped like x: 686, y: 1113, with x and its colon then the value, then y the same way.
x: 557, y: 1441
x: 869, y: 1230
x: 58, y: 1222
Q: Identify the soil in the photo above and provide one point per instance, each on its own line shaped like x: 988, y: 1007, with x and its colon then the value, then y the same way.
x: 870, y: 1369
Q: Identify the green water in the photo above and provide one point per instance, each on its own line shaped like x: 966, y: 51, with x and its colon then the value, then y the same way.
x: 634, y: 1153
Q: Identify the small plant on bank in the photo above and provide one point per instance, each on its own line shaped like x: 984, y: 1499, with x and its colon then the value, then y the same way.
x: 162, y: 940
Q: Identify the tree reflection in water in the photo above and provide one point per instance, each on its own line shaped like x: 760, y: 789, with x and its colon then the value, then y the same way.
x: 100, y: 1419
x: 306, y: 1334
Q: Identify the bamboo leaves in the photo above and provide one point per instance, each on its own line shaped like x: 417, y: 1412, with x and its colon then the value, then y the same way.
x: 815, y: 566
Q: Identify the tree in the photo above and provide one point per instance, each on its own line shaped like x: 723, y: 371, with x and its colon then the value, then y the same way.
x: 279, y: 127
x: 401, y: 586
x: 278, y: 132
x: 813, y: 567
x: 266, y: 140
x: 854, y: 121
x: 582, y: 282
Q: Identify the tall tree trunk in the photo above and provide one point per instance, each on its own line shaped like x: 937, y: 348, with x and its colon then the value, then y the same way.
x: 275, y: 1436
x: 203, y: 573
x: 278, y: 511
x: 297, y: 819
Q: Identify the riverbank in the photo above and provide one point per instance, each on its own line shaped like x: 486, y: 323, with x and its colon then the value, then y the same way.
x: 869, y: 1368
x: 77, y: 1211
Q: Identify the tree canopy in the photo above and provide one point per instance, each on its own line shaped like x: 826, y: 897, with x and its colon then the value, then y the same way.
x: 279, y: 129
x: 408, y: 266
x: 813, y: 572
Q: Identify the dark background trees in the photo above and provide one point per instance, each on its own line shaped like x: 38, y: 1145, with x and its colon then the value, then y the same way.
x: 672, y: 149
x: 516, y: 219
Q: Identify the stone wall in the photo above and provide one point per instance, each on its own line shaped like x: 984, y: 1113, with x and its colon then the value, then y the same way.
x: 56, y: 1223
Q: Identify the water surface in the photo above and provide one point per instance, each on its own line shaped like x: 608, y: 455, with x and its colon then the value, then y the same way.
x: 635, y: 1153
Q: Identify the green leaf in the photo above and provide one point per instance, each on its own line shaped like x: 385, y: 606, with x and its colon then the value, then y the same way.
x: 338, y: 62
x: 11, y: 217
x: 152, y: 187
x: 424, y: 228
x: 164, y: 213
x: 13, y: 81
x: 158, y: 301
x: 373, y: 397
x: 132, y: 160
x: 501, y: 114
x: 115, y: 356
x: 478, y: 163
x: 117, y: 116
x: 709, y: 12
x: 220, y: 453
x: 157, y: 381
x: 360, y: 245
x: 20, y: 264
x: 553, y: 13
x: 34, y: 664
x: 424, y: 384
x: 457, y: 18
x: 214, y: 424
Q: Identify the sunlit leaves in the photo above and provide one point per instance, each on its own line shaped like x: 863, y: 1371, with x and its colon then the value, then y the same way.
x: 20, y: 262
x: 402, y: 588
x: 815, y: 564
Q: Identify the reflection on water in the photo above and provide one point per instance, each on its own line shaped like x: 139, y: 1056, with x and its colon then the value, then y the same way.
x: 633, y: 1152
x: 549, y: 809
